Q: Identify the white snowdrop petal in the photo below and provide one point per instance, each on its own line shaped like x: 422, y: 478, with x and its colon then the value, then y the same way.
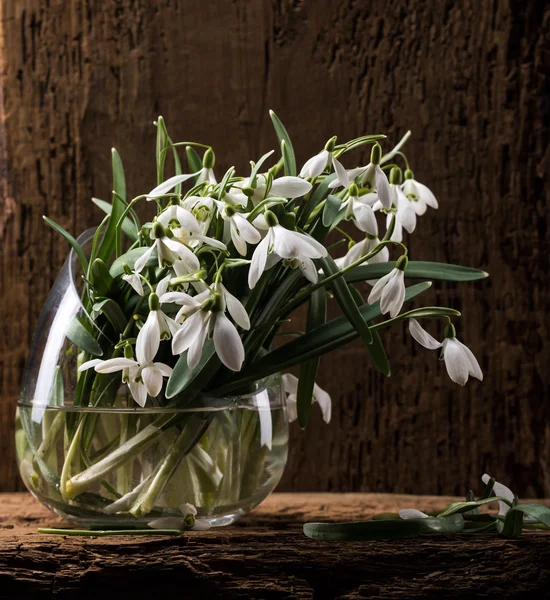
x: 188, y: 333
x: 257, y: 264
x: 89, y: 364
x: 139, y: 392
x: 152, y: 379
x: 316, y: 165
x: 168, y: 185
x: 289, y: 187
x: 456, y: 362
x: 422, y: 336
x: 366, y: 219
x: 473, y: 366
x: 134, y: 281
x: 167, y: 523
x: 195, y: 350
x: 383, y: 188
x: 308, y: 269
x: 309, y: 246
x: 236, y: 309
x: 187, y: 220
x: 427, y: 195
x: 165, y: 370
x: 228, y: 344
x: 500, y: 489
x: 290, y: 383
x: 412, y: 513
x: 148, y: 340
x: 324, y: 401
x: 140, y: 263
x: 247, y: 231
x: 378, y: 288
x: 341, y: 173
x: 112, y: 365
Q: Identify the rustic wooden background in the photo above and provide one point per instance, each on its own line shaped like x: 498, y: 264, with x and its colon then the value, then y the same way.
x: 468, y: 77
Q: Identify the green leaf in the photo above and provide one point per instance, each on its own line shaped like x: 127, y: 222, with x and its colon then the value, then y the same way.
x: 308, y: 369
x: 193, y: 160
x: 378, y: 354
x: 102, y: 280
x: 331, y: 209
x: 316, y: 198
x: 111, y: 239
x: 512, y: 525
x: 323, y: 339
x: 183, y: 376
x: 359, y: 531
x: 128, y: 226
x: 113, y: 312
x: 345, y: 299
x: 224, y: 182
x: 282, y: 134
x: 537, y: 511
x: 462, y: 507
x: 57, y: 393
x: 129, y: 258
x: 257, y: 166
x: 76, y: 246
x: 82, y: 338
x: 416, y: 270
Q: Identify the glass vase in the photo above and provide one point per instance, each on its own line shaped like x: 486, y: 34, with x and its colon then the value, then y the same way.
x: 108, y: 463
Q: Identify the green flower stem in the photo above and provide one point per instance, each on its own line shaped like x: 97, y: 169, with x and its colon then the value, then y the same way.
x: 134, y: 446
x: 52, y: 435
x: 104, y: 533
x: 183, y: 444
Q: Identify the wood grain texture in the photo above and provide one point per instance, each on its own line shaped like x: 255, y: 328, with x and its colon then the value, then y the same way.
x: 79, y: 77
x: 267, y: 556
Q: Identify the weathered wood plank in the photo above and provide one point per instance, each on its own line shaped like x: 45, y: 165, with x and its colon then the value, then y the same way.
x: 267, y: 556
x: 79, y: 77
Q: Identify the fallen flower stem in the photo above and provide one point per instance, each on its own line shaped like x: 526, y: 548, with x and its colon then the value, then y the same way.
x: 108, y: 532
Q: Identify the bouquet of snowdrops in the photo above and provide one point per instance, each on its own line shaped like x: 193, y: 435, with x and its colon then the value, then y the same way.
x: 191, y: 302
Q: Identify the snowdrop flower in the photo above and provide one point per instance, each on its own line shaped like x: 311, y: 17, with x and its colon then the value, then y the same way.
x: 168, y: 249
x: 418, y: 194
x: 207, y: 172
x: 318, y: 163
x: 204, y: 315
x: 298, y: 249
x: 500, y: 490
x: 168, y: 185
x: 133, y: 279
x: 375, y: 178
x: 363, y: 248
x: 357, y: 207
x: 202, y: 208
x: 241, y: 230
x: 187, y: 520
x: 459, y: 359
x: 282, y: 187
x: 185, y: 228
x: 290, y: 386
x: 143, y: 376
x: 157, y: 326
x: 412, y: 513
x: 390, y: 289
x: 405, y: 217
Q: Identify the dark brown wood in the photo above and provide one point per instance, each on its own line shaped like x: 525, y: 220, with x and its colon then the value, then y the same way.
x: 468, y: 77
x: 267, y: 556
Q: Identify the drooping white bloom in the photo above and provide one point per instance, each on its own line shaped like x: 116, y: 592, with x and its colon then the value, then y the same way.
x: 314, y: 166
x: 187, y: 520
x: 290, y: 385
x: 363, y: 248
x: 203, y: 315
x: 241, y: 230
x: 297, y: 248
x: 168, y: 249
x: 375, y: 178
x: 500, y: 490
x: 134, y: 280
x: 142, y: 376
x: 206, y: 175
x: 405, y: 217
x: 282, y: 187
x: 459, y: 359
x: 418, y: 194
x: 202, y: 208
x: 390, y: 290
x: 357, y: 207
x: 168, y: 185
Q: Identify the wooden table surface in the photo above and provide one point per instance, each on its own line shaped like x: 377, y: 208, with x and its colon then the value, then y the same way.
x: 266, y: 555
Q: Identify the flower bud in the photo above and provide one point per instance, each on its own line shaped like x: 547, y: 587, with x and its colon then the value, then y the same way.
x: 353, y: 190
x: 248, y: 191
x: 271, y: 218
x: 409, y: 174
x: 209, y: 159
x: 351, y: 244
x: 376, y: 154
x: 154, y: 303
x: 288, y: 220
x: 189, y: 520
x: 396, y: 176
x: 128, y: 351
x: 331, y: 144
x: 230, y: 210
x: 450, y: 331
x: 157, y: 231
x: 402, y: 263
